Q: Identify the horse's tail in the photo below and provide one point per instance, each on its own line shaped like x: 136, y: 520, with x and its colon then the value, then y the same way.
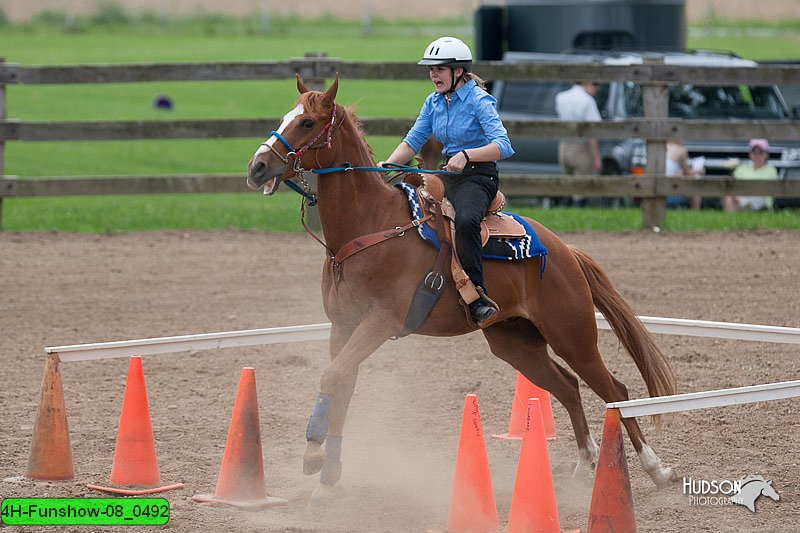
x: 654, y: 367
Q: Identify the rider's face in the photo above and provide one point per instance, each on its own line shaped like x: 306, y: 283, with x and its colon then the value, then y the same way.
x: 442, y: 78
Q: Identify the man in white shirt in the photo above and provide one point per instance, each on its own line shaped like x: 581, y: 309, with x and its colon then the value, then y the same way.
x: 579, y: 156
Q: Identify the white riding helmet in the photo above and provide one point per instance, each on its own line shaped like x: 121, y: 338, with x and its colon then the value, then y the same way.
x: 447, y: 51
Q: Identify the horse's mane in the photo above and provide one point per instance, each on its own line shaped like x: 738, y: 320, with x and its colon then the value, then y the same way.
x: 752, y: 477
x: 312, y: 103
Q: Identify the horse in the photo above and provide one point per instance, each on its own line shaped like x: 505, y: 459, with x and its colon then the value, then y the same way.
x: 367, y: 296
x: 752, y: 487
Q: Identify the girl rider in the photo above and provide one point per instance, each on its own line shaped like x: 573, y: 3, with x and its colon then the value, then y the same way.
x: 463, y: 117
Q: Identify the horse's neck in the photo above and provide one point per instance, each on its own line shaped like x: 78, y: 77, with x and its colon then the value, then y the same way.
x: 354, y: 203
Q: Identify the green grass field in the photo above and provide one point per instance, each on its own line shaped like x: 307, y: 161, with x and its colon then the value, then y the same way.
x: 281, y: 213
x: 225, y: 41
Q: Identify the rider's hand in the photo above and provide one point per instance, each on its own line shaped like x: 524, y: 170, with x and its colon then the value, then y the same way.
x: 456, y: 163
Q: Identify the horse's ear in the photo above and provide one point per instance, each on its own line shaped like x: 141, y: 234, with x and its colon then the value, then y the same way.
x: 330, y: 94
x: 301, y: 87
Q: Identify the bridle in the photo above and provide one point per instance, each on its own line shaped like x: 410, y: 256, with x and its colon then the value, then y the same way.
x: 329, y: 129
x: 304, y: 189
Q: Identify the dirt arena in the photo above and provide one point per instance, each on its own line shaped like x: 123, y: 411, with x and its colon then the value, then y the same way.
x: 401, y: 439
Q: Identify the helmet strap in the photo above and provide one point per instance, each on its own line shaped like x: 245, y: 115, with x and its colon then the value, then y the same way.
x: 455, y: 80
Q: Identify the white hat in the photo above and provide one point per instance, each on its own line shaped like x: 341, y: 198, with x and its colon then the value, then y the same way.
x: 447, y: 51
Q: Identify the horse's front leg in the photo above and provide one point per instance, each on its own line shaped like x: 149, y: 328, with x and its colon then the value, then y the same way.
x: 314, y: 458
x: 329, y: 462
x: 336, y: 389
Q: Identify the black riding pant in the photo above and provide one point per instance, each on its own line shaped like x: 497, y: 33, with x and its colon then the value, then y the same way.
x: 471, y: 193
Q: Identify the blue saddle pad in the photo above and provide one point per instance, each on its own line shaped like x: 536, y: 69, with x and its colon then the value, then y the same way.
x: 496, y: 248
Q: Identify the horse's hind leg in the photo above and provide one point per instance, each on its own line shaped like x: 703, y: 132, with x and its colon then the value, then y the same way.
x: 521, y: 345
x: 581, y: 354
x: 651, y: 464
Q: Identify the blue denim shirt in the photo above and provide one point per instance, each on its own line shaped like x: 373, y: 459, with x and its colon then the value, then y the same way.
x: 470, y: 121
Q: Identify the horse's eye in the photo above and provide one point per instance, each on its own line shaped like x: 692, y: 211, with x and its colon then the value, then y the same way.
x: 308, y: 124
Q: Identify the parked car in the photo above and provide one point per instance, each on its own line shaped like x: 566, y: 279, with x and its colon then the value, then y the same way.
x: 621, y: 100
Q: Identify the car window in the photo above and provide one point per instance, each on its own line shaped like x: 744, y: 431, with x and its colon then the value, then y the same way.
x: 539, y: 98
x: 602, y: 99
x: 691, y: 101
x: 632, y: 93
x: 535, y: 98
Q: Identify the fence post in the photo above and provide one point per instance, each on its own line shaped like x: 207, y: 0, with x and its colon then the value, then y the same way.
x: 655, y: 98
x: 2, y: 142
x: 366, y: 20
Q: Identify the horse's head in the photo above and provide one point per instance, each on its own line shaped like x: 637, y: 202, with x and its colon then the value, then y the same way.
x: 303, y: 130
x: 752, y: 487
x: 769, y: 491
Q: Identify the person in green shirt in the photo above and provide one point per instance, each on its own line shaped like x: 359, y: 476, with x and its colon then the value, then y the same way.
x: 757, y: 168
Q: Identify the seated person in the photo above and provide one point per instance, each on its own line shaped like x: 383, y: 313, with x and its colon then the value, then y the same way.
x: 679, y: 164
x: 755, y: 169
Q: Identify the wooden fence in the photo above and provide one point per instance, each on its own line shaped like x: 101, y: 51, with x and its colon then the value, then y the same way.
x: 656, y: 127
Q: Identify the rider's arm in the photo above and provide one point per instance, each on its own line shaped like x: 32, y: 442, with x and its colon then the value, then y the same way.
x: 493, y: 128
x: 401, y: 155
x: 415, y: 137
x: 489, y: 152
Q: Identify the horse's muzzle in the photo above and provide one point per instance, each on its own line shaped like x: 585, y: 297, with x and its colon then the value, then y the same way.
x: 259, y: 176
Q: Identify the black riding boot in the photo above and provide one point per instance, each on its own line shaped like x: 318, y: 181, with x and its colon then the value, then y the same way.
x: 481, y: 311
x: 471, y: 195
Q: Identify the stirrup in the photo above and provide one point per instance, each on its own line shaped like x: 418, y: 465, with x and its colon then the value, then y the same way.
x: 482, y: 300
x: 481, y: 311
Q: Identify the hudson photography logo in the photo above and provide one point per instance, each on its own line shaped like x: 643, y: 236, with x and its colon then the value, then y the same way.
x: 722, y: 492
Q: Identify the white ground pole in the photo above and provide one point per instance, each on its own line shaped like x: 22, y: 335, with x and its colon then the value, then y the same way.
x: 713, y: 398
x: 706, y: 399
x: 312, y: 332
x: 185, y: 343
x: 718, y: 330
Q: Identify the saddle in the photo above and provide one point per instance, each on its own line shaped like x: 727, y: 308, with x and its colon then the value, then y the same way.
x: 431, y: 192
x: 430, y: 189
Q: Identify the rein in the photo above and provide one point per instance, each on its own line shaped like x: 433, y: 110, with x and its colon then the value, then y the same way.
x: 388, y: 167
x: 330, y: 128
x: 305, y: 189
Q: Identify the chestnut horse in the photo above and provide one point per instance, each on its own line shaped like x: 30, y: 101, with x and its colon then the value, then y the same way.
x: 367, y: 296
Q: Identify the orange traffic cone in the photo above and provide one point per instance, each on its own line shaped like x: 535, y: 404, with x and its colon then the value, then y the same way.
x: 135, y: 461
x: 523, y: 391
x: 241, y: 476
x: 533, y: 504
x: 612, y: 501
x: 472, y: 504
x: 51, y: 454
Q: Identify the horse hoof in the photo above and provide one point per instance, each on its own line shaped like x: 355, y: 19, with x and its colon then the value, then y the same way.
x: 312, y: 466
x: 331, y: 472
x: 322, y: 497
x: 313, y: 459
x: 583, y: 476
x: 663, y: 477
